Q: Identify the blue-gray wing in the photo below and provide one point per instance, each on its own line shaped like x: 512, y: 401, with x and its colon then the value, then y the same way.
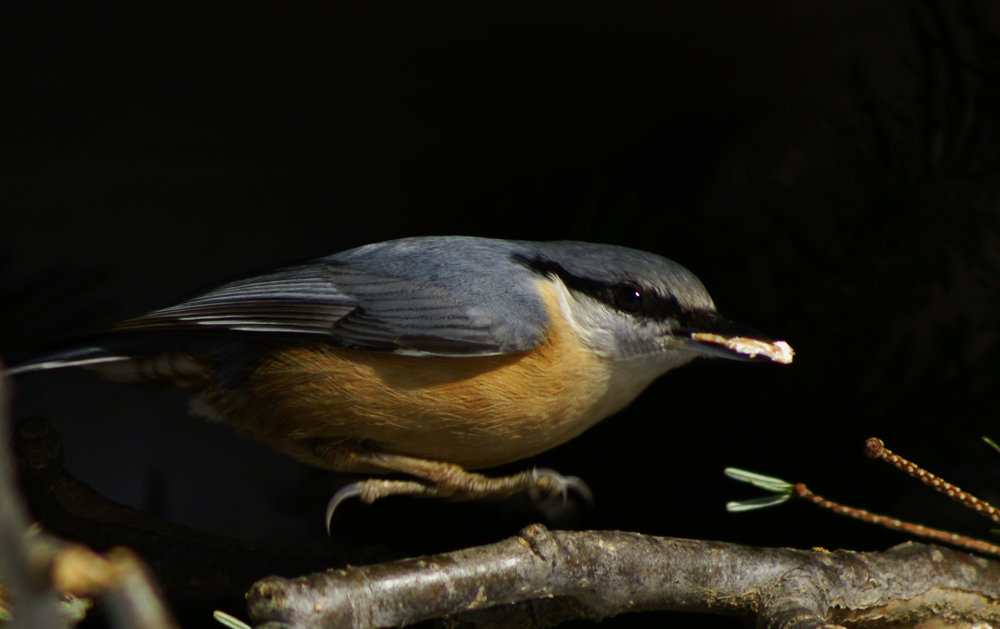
x: 420, y: 302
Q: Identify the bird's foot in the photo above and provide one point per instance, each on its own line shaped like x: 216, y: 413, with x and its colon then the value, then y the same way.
x: 446, y: 480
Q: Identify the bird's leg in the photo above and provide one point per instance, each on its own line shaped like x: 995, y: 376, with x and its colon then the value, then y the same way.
x: 447, y: 480
x: 439, y: 479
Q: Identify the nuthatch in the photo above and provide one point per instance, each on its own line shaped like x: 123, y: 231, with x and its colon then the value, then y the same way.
x: 427, y: 356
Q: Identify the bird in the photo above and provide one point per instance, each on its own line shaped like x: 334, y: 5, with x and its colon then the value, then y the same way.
x: 428, y: 356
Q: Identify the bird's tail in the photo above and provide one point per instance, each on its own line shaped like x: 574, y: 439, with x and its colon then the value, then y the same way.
x: 132, y: 358
x: 77, y: 355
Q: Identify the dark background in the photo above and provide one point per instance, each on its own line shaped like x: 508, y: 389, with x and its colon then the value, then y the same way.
x: 827, y: 169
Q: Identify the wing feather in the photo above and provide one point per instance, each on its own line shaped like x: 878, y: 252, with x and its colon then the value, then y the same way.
x: 347, y: 305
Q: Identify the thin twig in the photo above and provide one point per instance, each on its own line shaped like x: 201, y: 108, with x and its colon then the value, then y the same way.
x: 875, y: 449
x: 962, y: 541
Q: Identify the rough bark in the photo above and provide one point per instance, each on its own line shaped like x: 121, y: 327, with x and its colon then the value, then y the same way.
x: 540, y: 578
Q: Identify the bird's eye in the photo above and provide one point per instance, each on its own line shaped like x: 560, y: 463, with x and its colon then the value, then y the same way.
x: 628, y: 299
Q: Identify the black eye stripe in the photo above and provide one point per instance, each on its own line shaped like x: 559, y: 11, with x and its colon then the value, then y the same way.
x: 660, y: 308
x: 622, y: 297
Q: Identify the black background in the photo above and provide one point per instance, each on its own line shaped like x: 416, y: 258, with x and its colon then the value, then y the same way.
x: 166, y: 146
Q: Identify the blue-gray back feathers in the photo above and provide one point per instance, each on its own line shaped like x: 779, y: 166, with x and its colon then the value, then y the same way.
x: 423, y: 296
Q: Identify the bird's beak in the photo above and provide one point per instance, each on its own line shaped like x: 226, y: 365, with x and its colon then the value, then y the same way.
x: 714, y: 336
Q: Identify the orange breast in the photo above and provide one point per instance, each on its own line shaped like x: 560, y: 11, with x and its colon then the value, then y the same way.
x: 473, y: 411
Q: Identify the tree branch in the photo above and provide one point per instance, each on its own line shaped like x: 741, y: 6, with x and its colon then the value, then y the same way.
x: 542, y: 577
x: 37, y: 601
x: 39, y: 567
x: 178, y: 556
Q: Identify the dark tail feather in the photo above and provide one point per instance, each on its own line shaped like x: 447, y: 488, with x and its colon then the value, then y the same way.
x: 79, y: 356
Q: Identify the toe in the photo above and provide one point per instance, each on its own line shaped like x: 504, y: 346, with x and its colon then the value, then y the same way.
x: 552, y: 482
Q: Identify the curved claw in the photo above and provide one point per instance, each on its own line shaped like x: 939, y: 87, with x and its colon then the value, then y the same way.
x: 581, y: 489
x: 352, y: 490
x: 564, y: 483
